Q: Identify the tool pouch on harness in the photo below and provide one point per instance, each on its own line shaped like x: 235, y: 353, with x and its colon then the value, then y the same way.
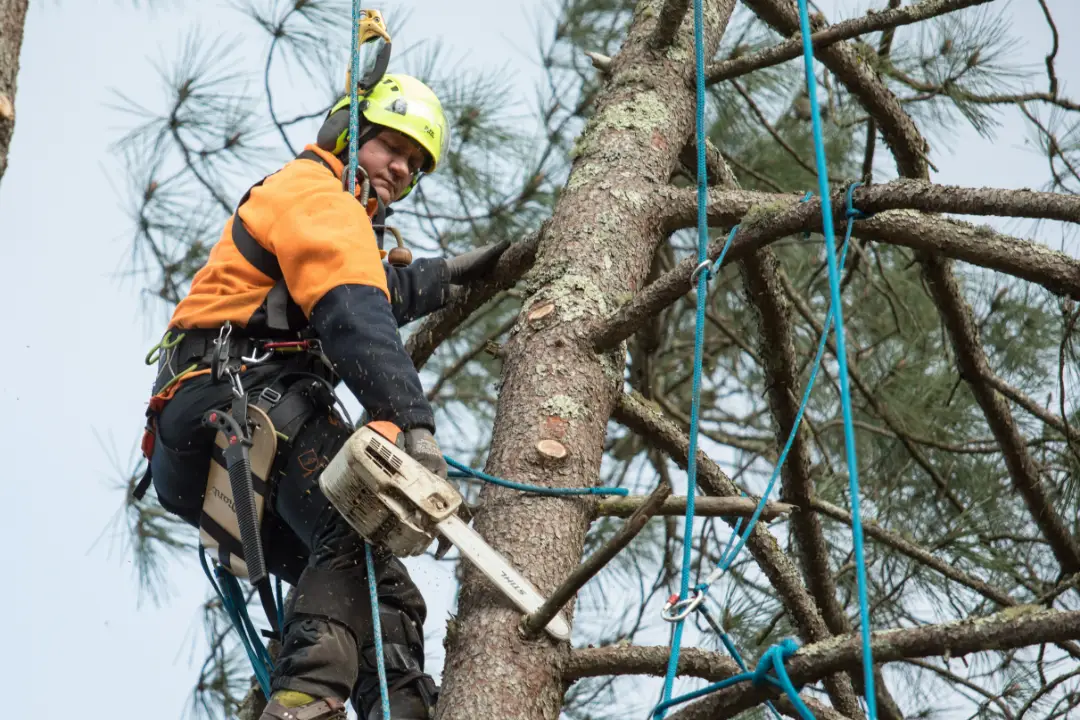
x: 219, y: 529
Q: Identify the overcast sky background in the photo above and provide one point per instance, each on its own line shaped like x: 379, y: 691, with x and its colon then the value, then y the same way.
x: 74, y: 386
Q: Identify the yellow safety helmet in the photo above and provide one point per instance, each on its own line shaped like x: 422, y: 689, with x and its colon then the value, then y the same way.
x: 399, y: 102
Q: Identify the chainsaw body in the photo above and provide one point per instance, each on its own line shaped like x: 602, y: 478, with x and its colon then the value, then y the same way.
x: 386, y: 495
x: 394, y: 501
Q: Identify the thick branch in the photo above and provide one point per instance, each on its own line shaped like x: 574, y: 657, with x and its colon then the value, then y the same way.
x: 680, y: 204
x: 1013, y: 628
x: 440, y: 325
x: 767, y: 217
x: 703, y: 507
x: 979, y: 245
x: 534, y: 623
x: 645, y: 660
x: 872, y: 22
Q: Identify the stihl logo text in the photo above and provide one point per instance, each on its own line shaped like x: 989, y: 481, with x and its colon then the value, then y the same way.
x: 510, y: 581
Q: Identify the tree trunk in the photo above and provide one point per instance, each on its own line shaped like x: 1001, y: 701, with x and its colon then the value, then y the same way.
x: 593, y: 257
x: 12, y: 21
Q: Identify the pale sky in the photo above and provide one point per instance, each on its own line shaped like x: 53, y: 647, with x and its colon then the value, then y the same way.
x: 76, y: 386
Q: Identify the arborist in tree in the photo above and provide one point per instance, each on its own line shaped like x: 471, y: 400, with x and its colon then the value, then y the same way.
x: 296, y: 296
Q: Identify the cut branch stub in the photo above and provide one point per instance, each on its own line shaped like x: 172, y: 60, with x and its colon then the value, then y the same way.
x: 541, y: 311
x: 551, y: 449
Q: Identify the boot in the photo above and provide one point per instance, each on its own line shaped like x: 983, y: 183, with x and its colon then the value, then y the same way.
x: 297, y: 706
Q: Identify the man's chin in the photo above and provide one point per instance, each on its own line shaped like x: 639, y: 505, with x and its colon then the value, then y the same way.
x: 384, y: 194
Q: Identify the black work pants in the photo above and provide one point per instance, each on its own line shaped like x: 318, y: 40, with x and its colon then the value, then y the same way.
x: 328, y: 645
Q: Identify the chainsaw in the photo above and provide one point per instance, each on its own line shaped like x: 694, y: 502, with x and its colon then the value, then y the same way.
x: 392, y: 500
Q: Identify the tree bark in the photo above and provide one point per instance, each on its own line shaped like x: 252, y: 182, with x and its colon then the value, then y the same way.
x: 596, y: 252
x: 12, y: 22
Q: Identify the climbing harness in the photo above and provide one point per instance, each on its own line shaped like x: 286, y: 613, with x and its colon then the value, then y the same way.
x: 679, y: 607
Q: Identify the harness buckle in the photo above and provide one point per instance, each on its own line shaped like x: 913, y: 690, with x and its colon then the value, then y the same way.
x: 270, y: 396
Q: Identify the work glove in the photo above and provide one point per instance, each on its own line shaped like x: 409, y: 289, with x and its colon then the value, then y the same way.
x: 475, y: 264
x: 421, y: 446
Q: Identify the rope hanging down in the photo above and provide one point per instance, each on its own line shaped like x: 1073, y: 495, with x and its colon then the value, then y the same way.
x: 354, y: 150
x: 676, y: 609
x: 679, y: 607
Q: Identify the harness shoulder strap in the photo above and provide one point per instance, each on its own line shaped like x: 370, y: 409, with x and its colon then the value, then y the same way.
x: 278, y: 301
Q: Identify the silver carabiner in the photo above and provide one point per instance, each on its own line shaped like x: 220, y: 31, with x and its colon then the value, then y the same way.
x: 676, y: 610
x: 256, y: 359
x: 702, y: 266
x: 234, y: 381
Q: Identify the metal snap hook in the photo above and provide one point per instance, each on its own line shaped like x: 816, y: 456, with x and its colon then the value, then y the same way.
x: 676, y: 609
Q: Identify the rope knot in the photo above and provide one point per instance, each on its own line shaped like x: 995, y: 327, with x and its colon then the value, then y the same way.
x: 775, y: 656
x: 850, y: 211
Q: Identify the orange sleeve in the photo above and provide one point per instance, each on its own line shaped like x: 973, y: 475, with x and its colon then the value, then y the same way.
x: 321, y: 236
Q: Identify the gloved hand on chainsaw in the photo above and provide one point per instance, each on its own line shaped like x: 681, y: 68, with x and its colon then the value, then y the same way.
x: 422, y: 447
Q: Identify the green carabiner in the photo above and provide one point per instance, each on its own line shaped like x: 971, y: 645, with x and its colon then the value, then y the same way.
x: 166, y: 343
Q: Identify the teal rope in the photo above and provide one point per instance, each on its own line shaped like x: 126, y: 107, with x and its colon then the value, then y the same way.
x: 773, y: 660
x: 841, y: 358
x: 727, y: 558
x: 376, y: 622
x: 354, y: 99
x: 699, y: 342
x: 354, y: 151
x: 232, y: 600
x: 464, y: 471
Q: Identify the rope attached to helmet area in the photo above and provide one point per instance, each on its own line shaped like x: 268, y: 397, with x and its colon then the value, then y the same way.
x: 354, y: 151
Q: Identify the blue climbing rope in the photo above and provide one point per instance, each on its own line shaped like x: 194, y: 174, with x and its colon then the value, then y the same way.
x: 464, y: 471
x: 232, y: 600
x: 699, y: 342
x: 376, y: 622
x: 841, y: 357
x: 354, y: 99
x: 774, y: 658
x: 354, y: 151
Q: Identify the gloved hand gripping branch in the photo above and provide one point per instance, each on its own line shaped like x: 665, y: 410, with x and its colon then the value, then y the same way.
x: 475, y: 264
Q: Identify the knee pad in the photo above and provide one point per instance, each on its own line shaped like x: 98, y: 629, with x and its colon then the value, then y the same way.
x: 402, y: 644
x: 413, y: 693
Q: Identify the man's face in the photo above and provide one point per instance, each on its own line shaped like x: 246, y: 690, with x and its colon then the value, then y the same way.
x: 391, y: 161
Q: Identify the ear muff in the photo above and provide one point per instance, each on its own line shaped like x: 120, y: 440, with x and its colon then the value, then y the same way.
x: 334, y: 134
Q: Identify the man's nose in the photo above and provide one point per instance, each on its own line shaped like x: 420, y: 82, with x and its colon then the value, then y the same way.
x: 399, y: 166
